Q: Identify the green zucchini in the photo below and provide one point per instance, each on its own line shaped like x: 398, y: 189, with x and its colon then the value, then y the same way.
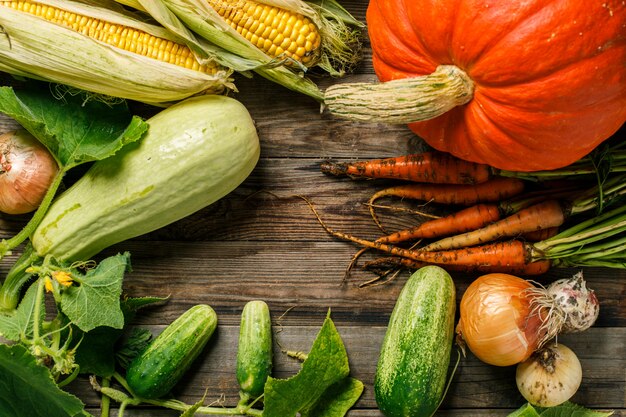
x: 254, y: 352
x: 156, y: 370
x: 194, y: 153
x: 412, y: 369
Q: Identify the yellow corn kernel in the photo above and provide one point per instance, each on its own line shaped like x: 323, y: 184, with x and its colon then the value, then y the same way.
x: 126, y: 38
x: 278, y: 32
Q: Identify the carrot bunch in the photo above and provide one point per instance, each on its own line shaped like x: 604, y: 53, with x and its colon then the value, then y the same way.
x: 499, y: 221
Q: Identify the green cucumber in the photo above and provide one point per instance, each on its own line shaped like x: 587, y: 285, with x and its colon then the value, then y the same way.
x: 156, y: 370
x: 194, y: 153
x: 254, y: 352
x: 412, y: 369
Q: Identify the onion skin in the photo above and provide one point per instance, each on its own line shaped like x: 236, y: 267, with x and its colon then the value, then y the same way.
x: 550, y: 376
x: 496, y: 322
x: 26, y: 171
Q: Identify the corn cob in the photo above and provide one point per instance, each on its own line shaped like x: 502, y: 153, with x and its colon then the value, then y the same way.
x: 122, y: 37
x: 278, y: 32
x: 136, y: 65
x: 279, y: 39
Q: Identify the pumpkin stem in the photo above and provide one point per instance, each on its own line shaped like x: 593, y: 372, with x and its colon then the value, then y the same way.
x: 401, y: 101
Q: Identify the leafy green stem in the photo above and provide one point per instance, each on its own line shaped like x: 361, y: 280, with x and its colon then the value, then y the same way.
x: 105, y: 402
x: 70, y: 378
x: 7, y: 245
x: 227, y: 411
x: 37, y: 310
x: 16, y: 278
x: 181, y: 406
x: 598, y: 241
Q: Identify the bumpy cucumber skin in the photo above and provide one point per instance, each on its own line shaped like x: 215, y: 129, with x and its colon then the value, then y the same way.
x: 412, y: 368
x: 162, y: 364
x: 194, y: 153
x: 254, y: 352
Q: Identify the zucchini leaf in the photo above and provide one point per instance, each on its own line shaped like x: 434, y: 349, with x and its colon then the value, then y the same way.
x: 96, y: 300
x: 320, y: 387
x: 76, y: 128
x: 101, y: 348
x: 19, y: 324
x: 138, y: 339
x: 27, y: 388
x: 566, y: 409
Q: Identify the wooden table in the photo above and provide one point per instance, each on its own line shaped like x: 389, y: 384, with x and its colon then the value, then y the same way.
x: 262, y: 242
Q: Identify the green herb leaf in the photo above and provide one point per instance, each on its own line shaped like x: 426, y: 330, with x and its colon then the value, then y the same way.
x: 28, y: 389
x: 137, y: 341
x: 74, y: 127
x: 191, y: 411
x: 21, y: 321
x: 566, y: 409
x: 131, y: 305
x: 526, y: 410
x: 96, y: 301
x: 311, y: 391
x: 337, y: 399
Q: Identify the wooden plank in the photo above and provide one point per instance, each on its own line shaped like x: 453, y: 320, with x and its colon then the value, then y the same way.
x: 261, y: 242
x: 150, y: 412
x: 475, y: 385
x: 309, y: 275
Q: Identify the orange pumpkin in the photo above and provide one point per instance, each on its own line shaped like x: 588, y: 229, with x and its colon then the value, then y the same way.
x: 535, y: 84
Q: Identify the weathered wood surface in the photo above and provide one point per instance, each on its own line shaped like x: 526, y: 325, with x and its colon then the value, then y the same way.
x: 262, y: 242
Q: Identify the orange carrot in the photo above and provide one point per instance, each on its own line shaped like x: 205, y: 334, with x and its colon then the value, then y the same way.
x: 537, y: 217
x: 465, y: 220
x: 510, y: 254
x: 539, y: 235
x: 494, y: 190
x: 532, y: 268
x: 431, y: 167
x: 476, y: 217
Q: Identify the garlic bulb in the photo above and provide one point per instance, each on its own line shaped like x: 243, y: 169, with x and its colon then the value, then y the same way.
x: 550, y: 376
x: 578, y: 303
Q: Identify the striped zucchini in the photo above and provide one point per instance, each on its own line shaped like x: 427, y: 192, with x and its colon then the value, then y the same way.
x: 412, y: 368
x: 162, y: 364
x: 195, y: 152
x: 254, y: 352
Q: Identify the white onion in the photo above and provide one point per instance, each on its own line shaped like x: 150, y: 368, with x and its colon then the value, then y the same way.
x: 550, y: 376
x: 26, y: 171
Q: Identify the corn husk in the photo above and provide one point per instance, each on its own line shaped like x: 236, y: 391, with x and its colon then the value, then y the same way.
x: 33, y: 47
x: 339, y: 31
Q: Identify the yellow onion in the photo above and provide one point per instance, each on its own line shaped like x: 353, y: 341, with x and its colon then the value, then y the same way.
x: 496, y: 320
x: 550, y: 376
x: 504, y: 319
x: 26, y: 171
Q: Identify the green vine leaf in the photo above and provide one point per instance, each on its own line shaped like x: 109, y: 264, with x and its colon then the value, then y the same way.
x: 566, y: 409
x: 28, y: 389
x: 74, y: 127
x: 100, y: 349
x: 96, y: 300
x: 20, y: 322
x: 337, y: 399
x: 319, y: 388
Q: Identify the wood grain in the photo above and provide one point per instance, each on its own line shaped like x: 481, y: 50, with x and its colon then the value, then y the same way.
x: 475, y: 386
x: 262, y: 242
